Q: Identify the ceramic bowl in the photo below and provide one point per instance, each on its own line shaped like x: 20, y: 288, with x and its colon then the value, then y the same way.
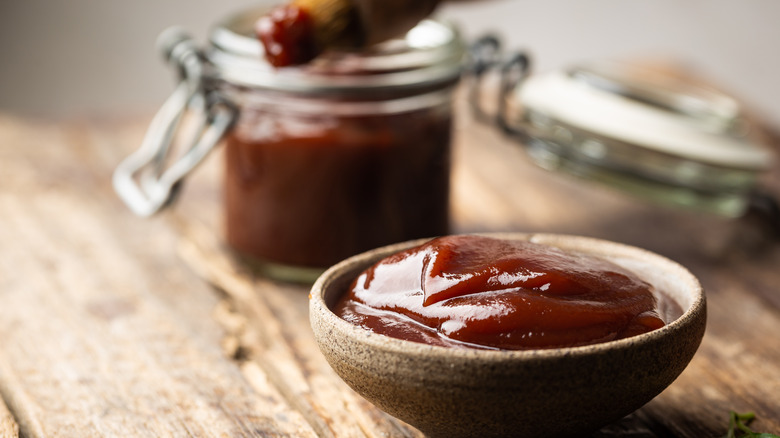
x: 449, y: 392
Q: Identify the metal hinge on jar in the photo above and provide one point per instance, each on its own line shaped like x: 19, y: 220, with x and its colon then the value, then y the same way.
x: 514, y: 67
x: 148, y: 180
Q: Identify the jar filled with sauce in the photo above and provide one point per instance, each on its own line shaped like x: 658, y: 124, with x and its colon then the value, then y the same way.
x: 322, y: 161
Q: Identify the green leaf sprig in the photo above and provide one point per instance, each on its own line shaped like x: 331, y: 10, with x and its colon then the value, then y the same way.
x: 738, y: 427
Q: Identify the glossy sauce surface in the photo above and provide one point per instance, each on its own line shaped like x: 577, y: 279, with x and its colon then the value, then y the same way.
x: 481, y: 292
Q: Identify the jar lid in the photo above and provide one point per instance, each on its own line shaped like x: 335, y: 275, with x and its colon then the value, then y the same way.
x: 671, y: 117
x: 428, y: 55
x: 655, y: 133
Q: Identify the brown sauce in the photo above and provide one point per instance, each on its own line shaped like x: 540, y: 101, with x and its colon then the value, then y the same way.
x: 287, y: 34
x: 313, y: 192
x: 473, y: 291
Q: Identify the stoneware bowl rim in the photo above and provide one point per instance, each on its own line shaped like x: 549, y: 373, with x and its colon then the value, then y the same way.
x: 588, y: 244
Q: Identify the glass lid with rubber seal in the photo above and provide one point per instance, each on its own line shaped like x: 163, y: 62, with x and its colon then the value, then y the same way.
x: 646, y: 131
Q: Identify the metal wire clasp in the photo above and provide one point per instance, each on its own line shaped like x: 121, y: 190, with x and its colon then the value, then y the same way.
x: 145, y: 180
x: 486, y: 56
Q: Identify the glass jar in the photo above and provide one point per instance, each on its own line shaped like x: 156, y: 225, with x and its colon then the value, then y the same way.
x: 323, y: 161
x: 655, y: 136
x: 652, y: 133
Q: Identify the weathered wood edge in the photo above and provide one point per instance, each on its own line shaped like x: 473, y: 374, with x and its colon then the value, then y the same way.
x: 8, y: 426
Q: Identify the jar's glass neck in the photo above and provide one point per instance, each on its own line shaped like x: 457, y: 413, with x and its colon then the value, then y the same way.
x: 373, y: 104
x: 431, y: 53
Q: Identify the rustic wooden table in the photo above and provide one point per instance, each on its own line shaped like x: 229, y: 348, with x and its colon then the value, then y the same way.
x: 112, y: 325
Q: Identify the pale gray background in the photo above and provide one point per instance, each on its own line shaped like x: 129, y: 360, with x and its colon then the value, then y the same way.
x: 76, y: 58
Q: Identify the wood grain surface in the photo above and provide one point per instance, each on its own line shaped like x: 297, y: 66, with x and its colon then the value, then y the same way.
x: 104, y: 331
x: 111, y: 325
x: 8, y: 426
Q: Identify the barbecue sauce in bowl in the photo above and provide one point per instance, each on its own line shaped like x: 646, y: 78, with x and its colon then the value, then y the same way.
x: 483, y: 292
